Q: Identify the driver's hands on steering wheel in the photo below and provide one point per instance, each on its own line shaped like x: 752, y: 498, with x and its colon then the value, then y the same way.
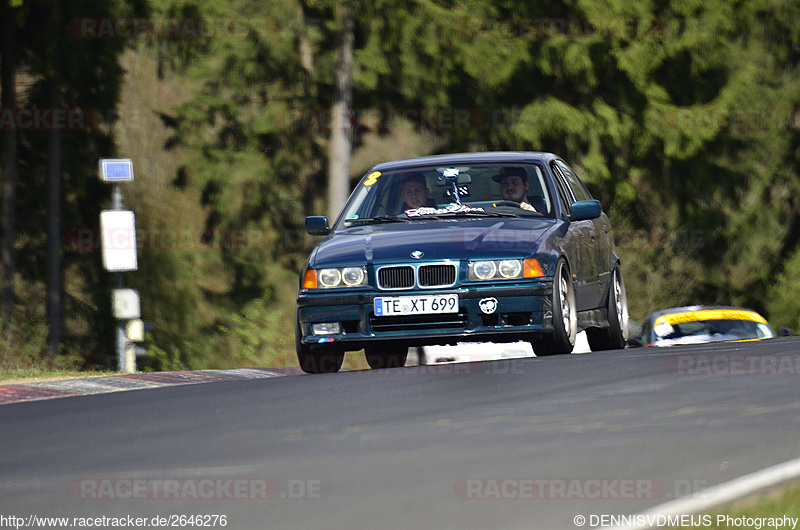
x: 525, y: 206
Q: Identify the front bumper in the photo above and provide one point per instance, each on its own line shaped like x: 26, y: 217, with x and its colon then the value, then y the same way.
x: 521, y: 310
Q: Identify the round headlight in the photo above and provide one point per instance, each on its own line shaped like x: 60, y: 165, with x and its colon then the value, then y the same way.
x: 510, y: 268
x: 353, y: 276
x: 329, y: 277
x: 484, y: 270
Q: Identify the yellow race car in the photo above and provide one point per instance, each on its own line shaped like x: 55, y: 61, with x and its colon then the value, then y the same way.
x: 702, y: 324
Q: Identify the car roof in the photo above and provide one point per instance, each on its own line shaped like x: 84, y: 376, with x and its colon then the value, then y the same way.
x: 502, y: 157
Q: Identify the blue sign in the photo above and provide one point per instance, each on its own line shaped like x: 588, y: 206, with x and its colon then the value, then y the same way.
x: 116, y: 170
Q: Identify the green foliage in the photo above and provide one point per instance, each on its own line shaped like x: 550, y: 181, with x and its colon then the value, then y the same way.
x: 24, y: 353
x: 654, y: 146
x: 781, y: 300
x: 24, y: 347
x: 175, y: 359
x: 259, y: 335
x: 663, y: 111
x: 88, y: 77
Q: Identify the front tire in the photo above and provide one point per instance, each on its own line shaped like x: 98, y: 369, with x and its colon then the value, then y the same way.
x: 615, y: 335
x: 386, y: 356
x: 320, y: 363
x: 326, y: 362
x: 565, y: 320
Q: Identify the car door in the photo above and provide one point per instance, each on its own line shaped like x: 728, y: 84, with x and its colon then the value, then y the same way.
x: 599, y: 238
x: 578, y: 244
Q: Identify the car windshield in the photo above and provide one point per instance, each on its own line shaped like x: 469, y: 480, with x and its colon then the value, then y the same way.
x: 443, y: 192
x: 711, y: 329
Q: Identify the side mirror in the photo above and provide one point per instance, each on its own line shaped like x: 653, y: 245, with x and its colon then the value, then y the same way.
x: 585, y: 210
x: 317, y: 225
x: 785, y: 332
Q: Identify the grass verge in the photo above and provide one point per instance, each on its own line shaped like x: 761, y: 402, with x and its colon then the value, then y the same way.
x: 761, y: 511
x: 33, y: 375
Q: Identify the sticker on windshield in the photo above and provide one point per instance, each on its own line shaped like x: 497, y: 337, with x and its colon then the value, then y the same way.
x: 372, y: 178
x: 450, y: 208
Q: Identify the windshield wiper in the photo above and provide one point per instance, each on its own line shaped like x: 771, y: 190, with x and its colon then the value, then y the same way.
x: 377, y: 220
x: 477, y: 213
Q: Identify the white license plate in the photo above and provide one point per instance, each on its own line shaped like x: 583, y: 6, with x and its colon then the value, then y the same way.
x: 416, y: 305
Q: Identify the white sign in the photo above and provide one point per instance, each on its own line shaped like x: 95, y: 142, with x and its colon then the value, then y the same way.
x: 125, y: 304
x: 116, y: 170
x: 118, y: 231
x: 134, y: 330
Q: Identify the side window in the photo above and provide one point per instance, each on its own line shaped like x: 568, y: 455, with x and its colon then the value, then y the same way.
x: 537, y: 193
x: 564, y: 194
x: 376, y: 199
x: 646, y: 332
x: 579, y: 190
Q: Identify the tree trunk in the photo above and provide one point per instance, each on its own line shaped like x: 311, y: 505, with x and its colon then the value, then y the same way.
x: 8, y: 101
x: 54, y: 299
x: 341, y: 133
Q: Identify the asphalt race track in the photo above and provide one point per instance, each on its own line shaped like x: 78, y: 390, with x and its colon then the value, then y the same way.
x: 525, y: 443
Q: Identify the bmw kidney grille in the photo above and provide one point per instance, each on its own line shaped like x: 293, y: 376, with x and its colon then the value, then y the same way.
x: 426, y: 276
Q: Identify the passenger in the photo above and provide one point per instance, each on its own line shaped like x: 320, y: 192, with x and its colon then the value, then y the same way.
x: 514, y: 186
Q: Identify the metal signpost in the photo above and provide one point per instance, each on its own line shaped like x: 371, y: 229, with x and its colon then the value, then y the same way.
x: 118, y: 236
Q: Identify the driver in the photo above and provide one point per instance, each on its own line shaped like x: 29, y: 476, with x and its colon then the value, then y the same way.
x: 414, y: 191
x: 514, y: 186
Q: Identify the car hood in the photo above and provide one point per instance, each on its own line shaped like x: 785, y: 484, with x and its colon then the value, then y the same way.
x: 439, y: 239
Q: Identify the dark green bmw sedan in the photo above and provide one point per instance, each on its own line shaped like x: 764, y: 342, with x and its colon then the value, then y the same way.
x: 476, y: 247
